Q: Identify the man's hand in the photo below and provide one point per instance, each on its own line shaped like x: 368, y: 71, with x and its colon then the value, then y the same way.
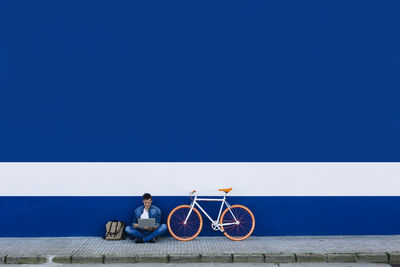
x: 135, y: 225
x: 149, y: 228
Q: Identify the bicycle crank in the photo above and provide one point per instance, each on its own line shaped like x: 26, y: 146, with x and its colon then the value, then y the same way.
x: 214, y: 226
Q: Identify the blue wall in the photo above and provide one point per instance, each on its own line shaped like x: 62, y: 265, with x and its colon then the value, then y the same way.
x: 86, y: 216
x: 209, y: 81
x: 216, y: 81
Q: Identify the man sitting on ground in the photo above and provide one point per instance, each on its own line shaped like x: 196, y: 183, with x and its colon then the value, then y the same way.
x: 146, y: 234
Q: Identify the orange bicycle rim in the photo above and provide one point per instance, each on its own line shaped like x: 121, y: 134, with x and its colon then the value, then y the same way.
x: 170, y: 228
x: 251, y: 230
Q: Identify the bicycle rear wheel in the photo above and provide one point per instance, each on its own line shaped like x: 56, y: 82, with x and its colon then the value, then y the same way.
x: 181, y: 231
x: 244, y: 229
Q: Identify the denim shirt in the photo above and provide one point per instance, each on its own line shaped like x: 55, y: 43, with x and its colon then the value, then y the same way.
x: 154, y: 212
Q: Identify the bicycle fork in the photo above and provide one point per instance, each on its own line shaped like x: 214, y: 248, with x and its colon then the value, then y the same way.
x: 191, y: 209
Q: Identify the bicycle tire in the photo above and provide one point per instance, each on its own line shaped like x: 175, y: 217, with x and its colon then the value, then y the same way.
x: 244, y: 229
x: 178, y: 229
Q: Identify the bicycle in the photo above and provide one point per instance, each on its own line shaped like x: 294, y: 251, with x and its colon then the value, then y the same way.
x: 185, y: 221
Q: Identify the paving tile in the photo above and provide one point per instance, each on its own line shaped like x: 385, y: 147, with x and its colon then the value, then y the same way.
x: 212, y: 249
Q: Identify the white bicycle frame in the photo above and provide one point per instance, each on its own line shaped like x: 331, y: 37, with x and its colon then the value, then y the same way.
x: 215, y: 224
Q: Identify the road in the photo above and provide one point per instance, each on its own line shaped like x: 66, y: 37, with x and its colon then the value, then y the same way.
x: 213, y: 265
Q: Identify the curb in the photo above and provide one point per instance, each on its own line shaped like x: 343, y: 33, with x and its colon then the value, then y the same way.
x: 109, y: 259
x: 394, y: 257
x: 341, y: 257
x: 279, y: 258
x: 62, y: 259
x: 253, y: 258
x: 14, y: 259
x: 87, y: 259
x: 216, y: 258
x: 310, y: 257
x: 184, y: 258
x: 378, y: 257
x: 373, y: 257
x: 157, y: 258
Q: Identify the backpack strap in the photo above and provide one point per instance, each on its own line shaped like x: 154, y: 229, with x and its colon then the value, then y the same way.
x: 114, y: 223
x: 108, y: 227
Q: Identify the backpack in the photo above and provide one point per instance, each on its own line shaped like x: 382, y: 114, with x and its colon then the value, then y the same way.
x: 115, y: 230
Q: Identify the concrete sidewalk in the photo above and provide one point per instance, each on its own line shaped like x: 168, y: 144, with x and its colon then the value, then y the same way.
x: 371, y: 249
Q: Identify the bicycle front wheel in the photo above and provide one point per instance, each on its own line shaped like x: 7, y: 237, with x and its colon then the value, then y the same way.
x: 181, y: 231
x: 241, y: 230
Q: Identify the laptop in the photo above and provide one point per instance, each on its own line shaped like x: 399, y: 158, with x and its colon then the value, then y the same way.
x: 147, y: 222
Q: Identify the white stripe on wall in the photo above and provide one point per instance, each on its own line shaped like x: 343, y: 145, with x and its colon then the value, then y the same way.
x: 178, y: 179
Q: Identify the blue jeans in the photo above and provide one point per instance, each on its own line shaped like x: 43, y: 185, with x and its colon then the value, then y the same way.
x: 144, y: 234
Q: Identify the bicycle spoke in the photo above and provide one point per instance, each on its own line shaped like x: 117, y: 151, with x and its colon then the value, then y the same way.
x: 177, y: 226
x: 241, y: 230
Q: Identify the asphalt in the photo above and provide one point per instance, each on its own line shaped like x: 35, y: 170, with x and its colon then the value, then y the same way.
x: 319, y: 264
x: 299, y: 249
